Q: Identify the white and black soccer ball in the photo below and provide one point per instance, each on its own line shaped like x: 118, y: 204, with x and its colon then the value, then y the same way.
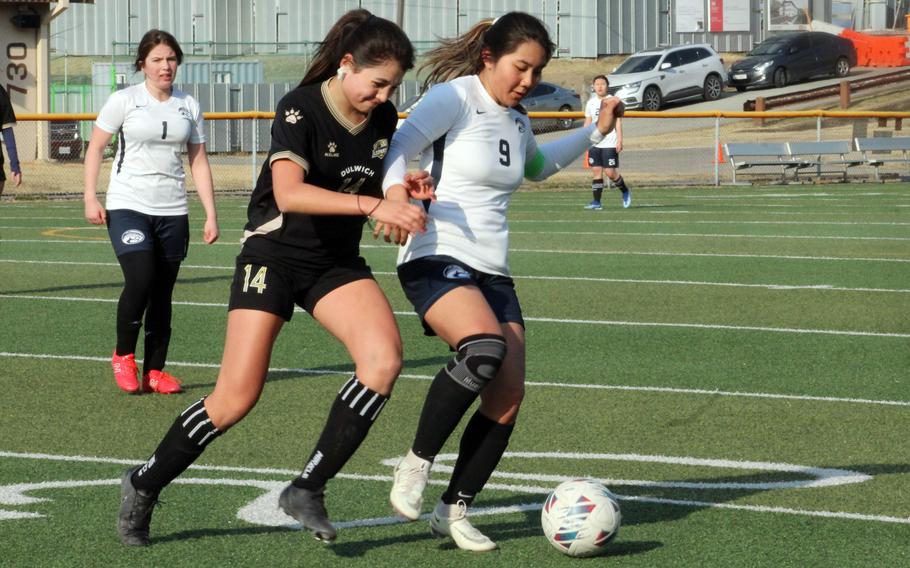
x: 580, y: 517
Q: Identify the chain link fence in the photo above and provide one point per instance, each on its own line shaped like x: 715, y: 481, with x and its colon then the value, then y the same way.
x: 678, y: 151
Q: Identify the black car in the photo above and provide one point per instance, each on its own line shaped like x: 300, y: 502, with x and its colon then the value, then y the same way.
x: 66, y: 141
x: 787, y: 58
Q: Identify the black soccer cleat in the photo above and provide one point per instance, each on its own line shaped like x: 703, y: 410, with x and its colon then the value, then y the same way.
x: 135, y: 512
x: 308, y: 508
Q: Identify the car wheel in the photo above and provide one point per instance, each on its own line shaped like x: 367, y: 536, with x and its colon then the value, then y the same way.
x: 713, y: 87
x: 740, y: 89
x: 780, y: 77
x: 566, y: 123
x: 842, y: 67
x: 651, y: 99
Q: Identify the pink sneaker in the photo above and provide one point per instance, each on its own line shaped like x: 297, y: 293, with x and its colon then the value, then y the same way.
x: 161, y: 382
x: 125, y: 372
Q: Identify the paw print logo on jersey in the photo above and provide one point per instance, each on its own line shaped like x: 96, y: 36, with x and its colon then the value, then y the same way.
x: 291, y: 116
x: 331, y: 150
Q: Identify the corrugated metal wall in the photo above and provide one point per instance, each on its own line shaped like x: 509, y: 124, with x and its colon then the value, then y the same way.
x: 582, y: 28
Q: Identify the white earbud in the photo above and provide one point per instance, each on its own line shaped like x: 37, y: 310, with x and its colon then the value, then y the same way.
x: 342, y: 71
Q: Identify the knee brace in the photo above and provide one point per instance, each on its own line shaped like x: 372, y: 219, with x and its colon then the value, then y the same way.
x: 478, y: 360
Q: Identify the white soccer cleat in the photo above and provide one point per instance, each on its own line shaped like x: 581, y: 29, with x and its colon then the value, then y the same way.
x: 452, y: 521
x: 410, y: 479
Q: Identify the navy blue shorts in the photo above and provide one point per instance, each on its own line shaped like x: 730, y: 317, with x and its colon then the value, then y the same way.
x: 268, y: 285
x: 427, y: 279
x: 167, y: 236
x: 603, y: 158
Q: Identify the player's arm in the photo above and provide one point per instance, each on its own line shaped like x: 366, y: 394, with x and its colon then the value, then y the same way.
x: 294, y: 195
x: 94, y: 154
x: 205, y: 187
x: 547, y: 159
x: 618, y: 135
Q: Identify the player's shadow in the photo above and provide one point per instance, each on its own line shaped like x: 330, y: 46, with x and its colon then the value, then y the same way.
x: 656, y: 507
x: 341, y: 369
x: 110, y: 285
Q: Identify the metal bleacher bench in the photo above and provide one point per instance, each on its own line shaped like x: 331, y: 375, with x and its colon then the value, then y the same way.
x: 817, y: 158
x: 873, y: 148
x: 757, y: 154
x: 828, y: 157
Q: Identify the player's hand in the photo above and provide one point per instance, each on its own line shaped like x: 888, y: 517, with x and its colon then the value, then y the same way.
x: 618, y: 147
x: 611, y: 108
x: 390, y: 233
x: 94, y: 212
x: 410, y: 219
x: 210, y: 232
x: 17, y: 178
x: 420, y: 186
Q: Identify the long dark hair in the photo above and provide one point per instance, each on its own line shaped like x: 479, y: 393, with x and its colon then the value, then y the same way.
x: 369, y: 39
x: 463, y: 55
x: 150, y: 40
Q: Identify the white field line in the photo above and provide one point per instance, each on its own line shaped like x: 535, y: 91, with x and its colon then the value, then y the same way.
x: 262, y: 509
x: 549, y: 384
x: 561, y: 252
x: 691, y: 222
x: 587, y: 233
x: 723, y: 327
x: 824, y: 287
x: 713, y: 235
x: 588, y: 221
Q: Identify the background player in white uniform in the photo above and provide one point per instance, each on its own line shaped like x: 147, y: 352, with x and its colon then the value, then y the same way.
x: 147, y: 214
x: 7, y: 121
x: 456, y: 274
x: 321, y: 179
x: 603, y: 157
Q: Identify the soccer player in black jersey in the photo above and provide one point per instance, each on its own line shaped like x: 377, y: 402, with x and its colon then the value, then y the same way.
x: 321, y: 179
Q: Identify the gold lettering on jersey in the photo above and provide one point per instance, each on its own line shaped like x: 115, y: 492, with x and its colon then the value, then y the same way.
x: 331, y: 150
x: 380, y: 148
x: 357, y: 168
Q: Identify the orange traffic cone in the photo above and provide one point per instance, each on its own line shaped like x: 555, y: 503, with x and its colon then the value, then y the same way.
x: 720, y: 154
x: 585, y: 161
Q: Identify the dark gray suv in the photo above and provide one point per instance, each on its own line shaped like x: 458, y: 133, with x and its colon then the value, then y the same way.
x: 784, y: 59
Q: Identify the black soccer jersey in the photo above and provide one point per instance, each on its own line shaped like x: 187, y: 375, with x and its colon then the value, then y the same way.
x: 336, y: 155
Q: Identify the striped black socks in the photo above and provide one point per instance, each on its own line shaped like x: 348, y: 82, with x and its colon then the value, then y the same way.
x: 355, y: 409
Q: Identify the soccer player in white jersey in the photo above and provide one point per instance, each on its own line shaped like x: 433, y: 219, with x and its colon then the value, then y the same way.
x: 146, y: 208
x: 603, y: 157
x: 478, y: 144
x: 320, y: 181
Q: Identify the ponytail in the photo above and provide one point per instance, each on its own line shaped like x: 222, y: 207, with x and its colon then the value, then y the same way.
x: 370, y: 40
x: 457, y: 57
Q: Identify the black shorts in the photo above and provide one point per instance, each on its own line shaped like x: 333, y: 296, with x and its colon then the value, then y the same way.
x: 167, y: 236
x: 267, y: 285
x: 427, y: 279
x: 603, y: 157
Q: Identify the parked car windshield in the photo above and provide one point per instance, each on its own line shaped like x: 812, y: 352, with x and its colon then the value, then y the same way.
x: 769, y: 47
x: 638, y: 63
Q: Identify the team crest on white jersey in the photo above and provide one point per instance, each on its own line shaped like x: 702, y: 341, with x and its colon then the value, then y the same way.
x: 455, y: 272
x: 520, y: 125
x: 380, y: 148
x: 132, y: 237
x: 331, y: 150
x: 291, y: 116
x: 185, y: 113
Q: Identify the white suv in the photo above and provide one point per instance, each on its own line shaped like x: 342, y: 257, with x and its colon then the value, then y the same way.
x: 652, y: 77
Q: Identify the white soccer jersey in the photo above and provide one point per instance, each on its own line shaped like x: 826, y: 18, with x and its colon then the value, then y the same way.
x: 147, y: 174
x: 592, y: 111
x: 478, y: 161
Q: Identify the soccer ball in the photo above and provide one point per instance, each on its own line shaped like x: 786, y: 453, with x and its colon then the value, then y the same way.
x: 580, y: 517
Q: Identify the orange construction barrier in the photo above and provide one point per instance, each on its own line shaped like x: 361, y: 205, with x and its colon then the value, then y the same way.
x: 720, y: 154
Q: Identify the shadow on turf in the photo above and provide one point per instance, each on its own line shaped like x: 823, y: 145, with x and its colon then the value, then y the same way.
x: 107, y: 285
x: 342, y: 369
